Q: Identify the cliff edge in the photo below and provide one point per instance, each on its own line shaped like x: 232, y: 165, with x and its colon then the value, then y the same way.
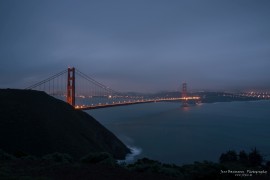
x: 35, y: 123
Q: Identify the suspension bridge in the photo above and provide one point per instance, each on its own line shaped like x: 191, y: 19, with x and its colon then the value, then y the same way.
x: 83, y: 92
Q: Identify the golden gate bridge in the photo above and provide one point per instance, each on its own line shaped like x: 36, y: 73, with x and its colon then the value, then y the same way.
x: 83, y: 92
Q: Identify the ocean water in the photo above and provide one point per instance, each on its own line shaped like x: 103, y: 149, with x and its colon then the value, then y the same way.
x: 171, y: 133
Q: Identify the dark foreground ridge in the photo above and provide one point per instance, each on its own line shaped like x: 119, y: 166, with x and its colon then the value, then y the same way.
x: 32, y: 122
x: 102, y: 166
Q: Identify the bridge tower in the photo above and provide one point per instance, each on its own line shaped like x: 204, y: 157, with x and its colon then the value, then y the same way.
x: 184, y: 90
x: 71, y: 86
x: 184, y: 94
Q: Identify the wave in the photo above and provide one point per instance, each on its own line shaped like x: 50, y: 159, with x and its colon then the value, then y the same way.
x: 135, y: 151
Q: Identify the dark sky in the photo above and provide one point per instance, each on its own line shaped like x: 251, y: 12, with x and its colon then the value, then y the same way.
x: 138, y: 45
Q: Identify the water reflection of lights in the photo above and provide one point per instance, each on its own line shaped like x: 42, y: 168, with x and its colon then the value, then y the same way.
x: 185, y: 108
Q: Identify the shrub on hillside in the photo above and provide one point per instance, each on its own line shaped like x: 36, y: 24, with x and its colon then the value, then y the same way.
x: 152, y: 166
x: 58, y: 157
x: 201, y: 170
x: 20, y: 154
x: 99, y: 158
x: 5, y: 156
x: 253, y: 159
x: 229, y: 156
x: 243, y: 157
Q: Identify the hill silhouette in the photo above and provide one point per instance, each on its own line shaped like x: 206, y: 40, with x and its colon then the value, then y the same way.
x: 35, y: 123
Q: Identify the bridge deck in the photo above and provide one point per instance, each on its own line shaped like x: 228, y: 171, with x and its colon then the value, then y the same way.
x: 99, y: 106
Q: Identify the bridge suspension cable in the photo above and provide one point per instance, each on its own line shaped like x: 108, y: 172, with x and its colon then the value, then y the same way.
x: 47, y: 80
x: 89, y: 93
x: 62, y: 86
x: 91, y: 80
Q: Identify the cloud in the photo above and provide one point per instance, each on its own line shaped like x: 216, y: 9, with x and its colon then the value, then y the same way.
x: 148, y: 46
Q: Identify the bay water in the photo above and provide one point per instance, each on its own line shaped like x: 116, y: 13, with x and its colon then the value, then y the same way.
x: 170, y: 133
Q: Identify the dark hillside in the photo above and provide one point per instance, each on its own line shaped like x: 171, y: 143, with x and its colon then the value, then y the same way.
x: 35, y: 123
